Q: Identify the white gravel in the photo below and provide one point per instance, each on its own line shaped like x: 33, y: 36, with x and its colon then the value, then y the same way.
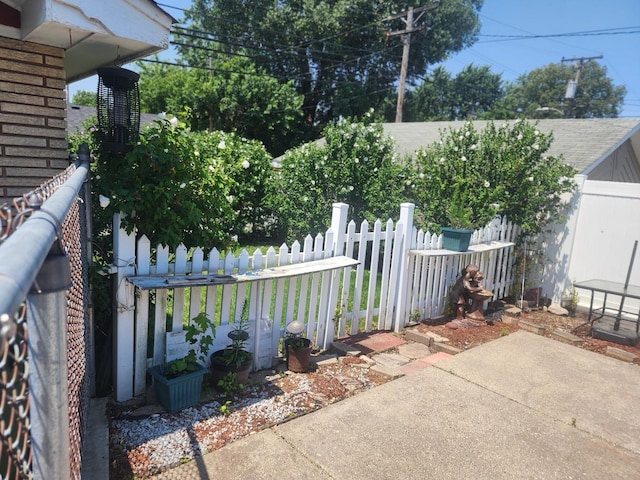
x: 161, y: 441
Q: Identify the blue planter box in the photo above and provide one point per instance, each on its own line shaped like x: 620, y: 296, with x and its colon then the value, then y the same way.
x: 456, y: 239
x: 177, y: 393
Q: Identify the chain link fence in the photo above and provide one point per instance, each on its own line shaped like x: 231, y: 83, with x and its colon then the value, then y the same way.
x: 17, y: 401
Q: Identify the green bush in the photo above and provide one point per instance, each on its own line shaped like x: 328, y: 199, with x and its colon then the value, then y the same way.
x: 501, y: 170
x: 248, y: 164
x: 355, y: 165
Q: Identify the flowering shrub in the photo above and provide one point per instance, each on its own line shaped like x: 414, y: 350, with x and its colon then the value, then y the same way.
x: 355, y: 166
x: 166, y: 189
x: 469, y: 177
x: 249, y: 165
x: 177, y: 186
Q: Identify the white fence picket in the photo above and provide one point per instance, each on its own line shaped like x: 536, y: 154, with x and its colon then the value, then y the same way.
x: 357, y: 290
x: 124, y: 256
x: 142, y: 318
x: 197, y: 267
x: 160, y: 311
x: 180, y: 267
x: 373, y: 275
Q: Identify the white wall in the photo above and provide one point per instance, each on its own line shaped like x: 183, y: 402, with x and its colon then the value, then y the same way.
x: 595, y: 241
x: 607, y: 226
x: 556, y: 247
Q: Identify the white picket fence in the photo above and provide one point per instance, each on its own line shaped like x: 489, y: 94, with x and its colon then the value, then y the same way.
x: 390, y: 284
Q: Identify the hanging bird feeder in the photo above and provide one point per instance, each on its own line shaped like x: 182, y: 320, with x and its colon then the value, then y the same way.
x: 118, y: 106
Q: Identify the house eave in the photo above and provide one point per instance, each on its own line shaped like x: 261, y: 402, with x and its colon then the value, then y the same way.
x: 93, y: 34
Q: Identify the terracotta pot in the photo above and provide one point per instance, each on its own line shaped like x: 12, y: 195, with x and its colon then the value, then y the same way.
x: 298, y: 358
x: 219, y: 369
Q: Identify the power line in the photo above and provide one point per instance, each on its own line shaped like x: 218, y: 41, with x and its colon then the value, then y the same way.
x: 288, y: 49
x: 335, y: 65
x: 614, y: 31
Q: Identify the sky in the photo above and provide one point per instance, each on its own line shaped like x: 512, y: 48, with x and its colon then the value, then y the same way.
x: 541, y: 18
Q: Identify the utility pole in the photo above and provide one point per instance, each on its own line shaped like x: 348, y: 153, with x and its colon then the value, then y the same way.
x: 572, y: 86
x: 406, y: 42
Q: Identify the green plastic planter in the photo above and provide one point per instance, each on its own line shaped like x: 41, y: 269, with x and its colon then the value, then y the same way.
x: 456, y: 239
x: 180, y: 392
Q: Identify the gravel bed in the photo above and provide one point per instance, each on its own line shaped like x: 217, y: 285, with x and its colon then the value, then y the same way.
x: 143, y: 445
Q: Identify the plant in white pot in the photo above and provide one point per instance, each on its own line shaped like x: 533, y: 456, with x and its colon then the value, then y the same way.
x: 178, y: 383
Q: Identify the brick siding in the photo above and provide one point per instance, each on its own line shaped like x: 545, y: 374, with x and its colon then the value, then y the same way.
x: 33, y: 145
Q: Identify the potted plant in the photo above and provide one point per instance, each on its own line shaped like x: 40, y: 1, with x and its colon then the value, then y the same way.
x: 178, y: 383
x: 233, y: 363
x: 297, y: 348
x: 457, y: 235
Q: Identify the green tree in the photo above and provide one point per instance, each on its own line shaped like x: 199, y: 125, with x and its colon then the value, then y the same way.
x: 432, y: 100
x: 338, y: 54
x: 355, y: 165
x: 233, y: 96
x: 84, y: 97
x: 440, y: 97
x: 545, y: 87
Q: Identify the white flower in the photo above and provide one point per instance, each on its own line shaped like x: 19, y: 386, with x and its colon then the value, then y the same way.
x: 357, y: 161
x: 473, y: 147
x: 486, y: 183
x: 182, y: 185
x: 166, y: 150
x: 531, y: 178
x: 455, y: 148
x: 519, y: 136
x: 351, y: 188
x: 222, y: 145
x: 460, y: 137
x: 536, y: 133
x: 421, y: 175
x: 535, y: 146
x: 196, y: 153
x: 173, y: 122
x: 442, y: 159
x: 464, y: 159
x: 245, y: 164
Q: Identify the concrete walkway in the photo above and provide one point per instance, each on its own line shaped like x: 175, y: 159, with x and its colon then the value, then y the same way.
x: 523, y: 406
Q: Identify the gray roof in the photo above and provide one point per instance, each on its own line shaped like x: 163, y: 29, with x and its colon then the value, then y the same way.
x: 77, y: 114
x: 582, y: 142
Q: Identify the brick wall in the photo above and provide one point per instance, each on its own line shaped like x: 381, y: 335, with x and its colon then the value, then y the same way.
x: 33, y: 145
